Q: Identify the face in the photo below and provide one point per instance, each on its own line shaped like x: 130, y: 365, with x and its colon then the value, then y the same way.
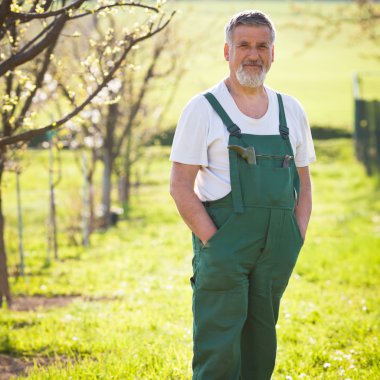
x: 250, y: 54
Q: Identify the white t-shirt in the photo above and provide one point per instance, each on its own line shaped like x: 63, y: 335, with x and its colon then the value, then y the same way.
x: 201, y: 138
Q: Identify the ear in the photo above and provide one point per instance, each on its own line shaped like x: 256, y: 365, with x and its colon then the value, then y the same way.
x: 226, y: 52
x: 272, y: 53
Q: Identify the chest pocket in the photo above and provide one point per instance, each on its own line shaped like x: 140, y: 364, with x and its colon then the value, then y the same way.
x: 267, y: 184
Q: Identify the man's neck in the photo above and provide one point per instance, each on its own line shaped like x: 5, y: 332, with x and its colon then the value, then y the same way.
x: 253, y: 102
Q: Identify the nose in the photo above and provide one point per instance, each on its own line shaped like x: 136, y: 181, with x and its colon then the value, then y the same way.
x: 253, y: 53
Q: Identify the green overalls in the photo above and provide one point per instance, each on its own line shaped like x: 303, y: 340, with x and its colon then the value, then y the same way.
x: 243, y: 270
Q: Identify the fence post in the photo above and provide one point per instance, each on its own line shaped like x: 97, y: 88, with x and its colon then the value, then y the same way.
x: 366, y: 128
x: 377, y: 133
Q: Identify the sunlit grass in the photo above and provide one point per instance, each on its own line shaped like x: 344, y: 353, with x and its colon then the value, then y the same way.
x: 138, y: 325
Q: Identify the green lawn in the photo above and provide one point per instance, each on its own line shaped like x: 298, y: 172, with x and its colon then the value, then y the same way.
x: 134, y: 321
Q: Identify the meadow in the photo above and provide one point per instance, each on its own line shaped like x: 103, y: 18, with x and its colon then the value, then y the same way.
x: 130, y: 315
x: 126, y: 309
x: 316, y: 70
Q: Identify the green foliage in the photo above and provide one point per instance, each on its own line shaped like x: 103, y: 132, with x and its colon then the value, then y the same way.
x: 133, y: 319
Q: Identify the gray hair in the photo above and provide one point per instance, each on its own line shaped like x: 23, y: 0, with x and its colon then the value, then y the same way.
x: 249, y: 17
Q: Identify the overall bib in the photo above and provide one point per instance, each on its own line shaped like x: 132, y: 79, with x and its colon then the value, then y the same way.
x: 241, y: 273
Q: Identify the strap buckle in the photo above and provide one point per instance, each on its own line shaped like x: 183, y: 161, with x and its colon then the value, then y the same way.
x: 284, y: 132
x: 234, y: 130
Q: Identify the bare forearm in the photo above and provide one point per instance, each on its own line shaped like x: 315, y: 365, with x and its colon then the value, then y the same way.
x: 304, y: 207
x: 193, y: 212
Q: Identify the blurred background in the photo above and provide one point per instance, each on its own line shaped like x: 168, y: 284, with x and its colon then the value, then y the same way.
x: 94, y: 258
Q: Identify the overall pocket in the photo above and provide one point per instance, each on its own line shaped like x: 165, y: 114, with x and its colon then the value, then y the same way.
x: 268, y: 186
x: 221, y: 217
x: 217, y: 269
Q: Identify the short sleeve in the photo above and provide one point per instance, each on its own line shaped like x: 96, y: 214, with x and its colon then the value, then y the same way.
x: 305, y: 148
x: 190, y: 138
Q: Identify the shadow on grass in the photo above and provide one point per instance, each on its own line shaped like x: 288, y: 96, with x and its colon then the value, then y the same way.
x: 326, y: 133
x: 11, y: 366
x: 165, y: 138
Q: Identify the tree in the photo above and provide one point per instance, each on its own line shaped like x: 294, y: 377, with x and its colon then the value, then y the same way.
x: 142, y: 126
x: 362, y: 15
x: 30, y: 33
x: 125, y: 106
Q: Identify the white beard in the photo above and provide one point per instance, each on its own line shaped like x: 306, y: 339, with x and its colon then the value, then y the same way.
x: 247, y: 79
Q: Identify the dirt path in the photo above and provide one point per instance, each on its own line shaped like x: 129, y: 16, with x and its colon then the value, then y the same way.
x: 11, y: 366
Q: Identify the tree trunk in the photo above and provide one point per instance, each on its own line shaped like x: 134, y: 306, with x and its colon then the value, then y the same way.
x: 86, y: 216
x: 52, y: 229
x: 125, y: 178
x: 91, y: 203
x: 124, y: 185
x: 4, y: 280
x: 91, y: 185
x: 108, y: 159
x: 20, y: 225
x: 106, y: 189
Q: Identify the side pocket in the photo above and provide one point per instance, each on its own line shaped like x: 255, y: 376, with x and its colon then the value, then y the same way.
x: 221, y: 217
x: 195, y: 261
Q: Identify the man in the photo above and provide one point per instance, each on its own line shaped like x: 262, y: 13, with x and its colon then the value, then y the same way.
x: 241, y: 182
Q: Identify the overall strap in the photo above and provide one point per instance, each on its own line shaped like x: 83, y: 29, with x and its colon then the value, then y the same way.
x: 235, y: 134
x: 284, y: 132
x: 232, y: 128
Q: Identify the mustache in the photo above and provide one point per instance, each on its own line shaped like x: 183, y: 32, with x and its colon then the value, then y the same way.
x: 252, y: 62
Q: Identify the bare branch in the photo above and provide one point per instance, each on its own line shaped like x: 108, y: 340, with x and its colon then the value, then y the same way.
x: 363, y: 14
x: 137, y: 104
x: 5, y: 116
x: 34, y: 6
x: 28, y: 135
x: 32, y: 16
x: 5, y: 8
x: 38, y: 36
x: 47, y: 5
x: 38, y: 84
x: 24, y: 17
x: 131, y: 4
x: 20, y: 58
x: 67, y: 94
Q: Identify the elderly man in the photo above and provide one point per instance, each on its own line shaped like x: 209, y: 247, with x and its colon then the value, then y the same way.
x: 240, y: 180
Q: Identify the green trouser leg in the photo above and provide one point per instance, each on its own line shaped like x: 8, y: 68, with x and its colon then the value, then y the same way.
x: 258, y: 339
x: 237, y: 291
x: 220, y: 316
x: 268, y: 282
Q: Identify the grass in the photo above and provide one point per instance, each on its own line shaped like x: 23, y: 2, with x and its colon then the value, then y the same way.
x: 138, y: 324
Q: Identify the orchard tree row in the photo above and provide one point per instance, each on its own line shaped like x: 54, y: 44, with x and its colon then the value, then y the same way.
x: 87, y: 68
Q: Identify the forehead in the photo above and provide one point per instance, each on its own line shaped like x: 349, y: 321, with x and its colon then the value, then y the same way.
x: 257, y: 33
